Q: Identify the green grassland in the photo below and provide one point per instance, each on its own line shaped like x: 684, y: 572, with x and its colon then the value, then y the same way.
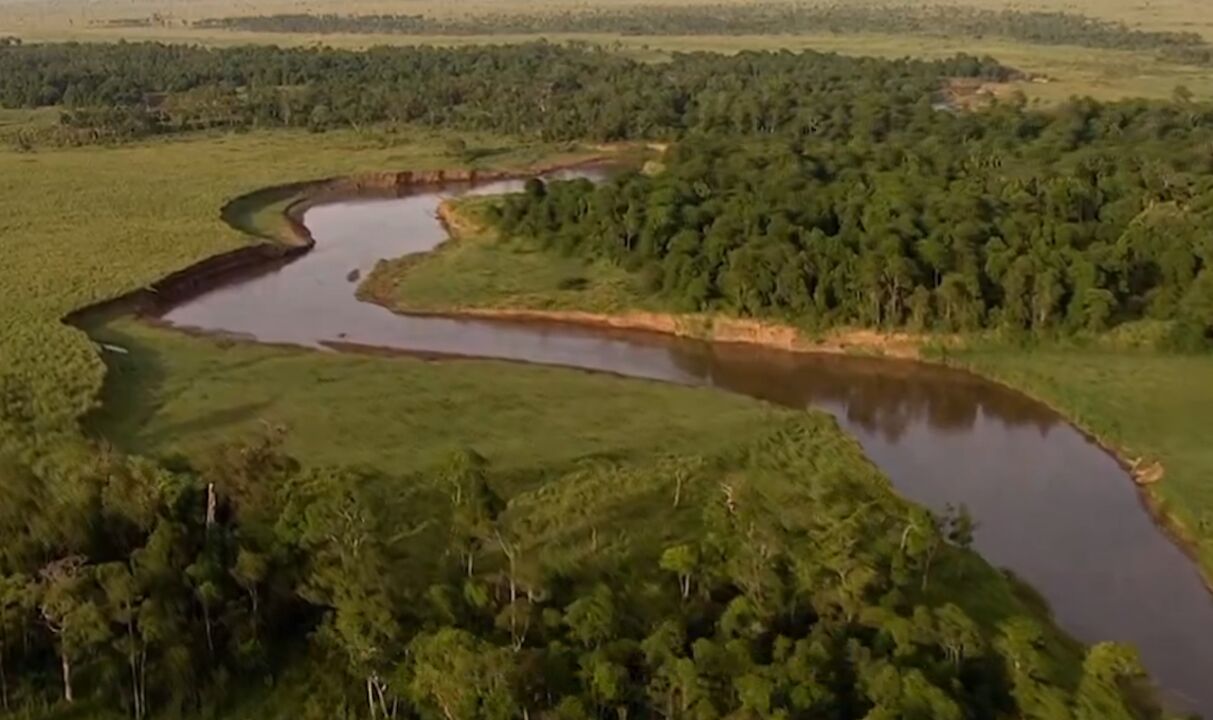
x: 1171, y: 15
x: 583, y: 461
x: 1103, y: 74
x: 467, y: 273
x: 78, y: 226
x: 584, y: 482
x: 177, y: 393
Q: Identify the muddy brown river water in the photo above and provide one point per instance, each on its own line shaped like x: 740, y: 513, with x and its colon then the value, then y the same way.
x: 1053, y: 507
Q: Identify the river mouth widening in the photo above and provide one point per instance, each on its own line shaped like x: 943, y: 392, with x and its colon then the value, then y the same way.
x: 1052, y: 506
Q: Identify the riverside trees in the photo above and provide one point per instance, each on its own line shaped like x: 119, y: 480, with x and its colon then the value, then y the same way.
x: 795, y: 593
x: 1079, y: 220
x: 757, y: 18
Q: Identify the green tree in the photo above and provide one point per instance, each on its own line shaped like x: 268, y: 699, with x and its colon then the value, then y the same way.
x: 17, y: 600
x: 336, y: 522
x: 461, y: 677
x: 591, y: 619
x: 683, y: 561
x: 474, y: 504
x: 959, y: 636
x: 70, y: 611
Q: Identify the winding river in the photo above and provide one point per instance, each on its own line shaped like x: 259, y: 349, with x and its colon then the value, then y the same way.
x: 1052, y: 506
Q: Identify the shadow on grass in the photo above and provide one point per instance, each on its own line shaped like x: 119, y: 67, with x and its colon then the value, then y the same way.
x: 132, y: 393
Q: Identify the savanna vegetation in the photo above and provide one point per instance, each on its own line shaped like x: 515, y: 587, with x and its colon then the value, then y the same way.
x: 467, y: 273
x: 81, y: 225
x: 1113, y: 49
x: 114, y: 92
x: 764, y: 18
x: 241, y: 531
x: 172, y: 394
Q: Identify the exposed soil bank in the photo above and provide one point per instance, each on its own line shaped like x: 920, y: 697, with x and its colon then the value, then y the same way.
x: 294, y: 239
x: 714, y: 329
x: 193, y: 280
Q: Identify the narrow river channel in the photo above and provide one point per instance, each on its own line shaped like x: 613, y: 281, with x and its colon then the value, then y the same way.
x: 1052, y: 506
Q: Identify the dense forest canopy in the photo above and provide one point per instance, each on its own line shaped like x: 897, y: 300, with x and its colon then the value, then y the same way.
x: 801, y: 587
x: 760, y: 18
x: 538, y: 89
x: 1072, y: 221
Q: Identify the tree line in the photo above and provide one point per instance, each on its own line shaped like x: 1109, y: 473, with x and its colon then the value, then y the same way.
x: 175, y: 588
x: 537, y: 90
x: 1078, y: 220
x: 811, y: 187
x: 762, y: 18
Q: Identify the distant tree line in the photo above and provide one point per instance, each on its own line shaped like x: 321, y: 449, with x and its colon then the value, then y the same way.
x: 1076, y: 220
x: 177, y: 589
x: 133, y: 22
x: 761, y: 18
x: 538, y: 90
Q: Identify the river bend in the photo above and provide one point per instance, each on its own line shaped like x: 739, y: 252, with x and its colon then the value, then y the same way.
x: 1052, y: 506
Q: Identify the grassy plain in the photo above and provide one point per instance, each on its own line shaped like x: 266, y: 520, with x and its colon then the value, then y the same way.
x: 1104, y: 74
x: 177, y: 393
x: 78, y: 226
x: 467, y: 273
x: 1175, y: 15
x: 587, y: 466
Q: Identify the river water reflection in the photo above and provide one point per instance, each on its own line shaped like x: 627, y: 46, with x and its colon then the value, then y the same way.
x: 1052, y: 506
